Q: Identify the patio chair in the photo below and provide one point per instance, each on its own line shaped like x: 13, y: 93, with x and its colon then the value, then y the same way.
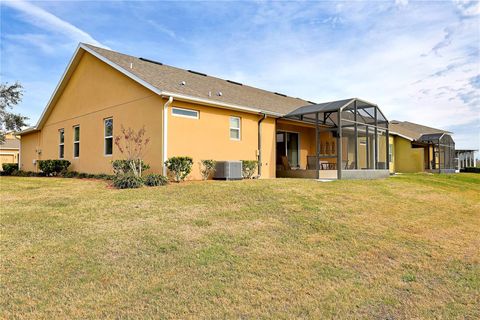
x: 324, y: 165
x: 285, y: 163
x: 352, y: 165
x: 311, y: 162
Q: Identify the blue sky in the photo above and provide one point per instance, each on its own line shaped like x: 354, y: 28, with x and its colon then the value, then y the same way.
x: 420, y: 61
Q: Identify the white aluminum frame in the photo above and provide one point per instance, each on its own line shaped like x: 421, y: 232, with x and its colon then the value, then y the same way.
x: 184, y: 116
x: 60, y: 143
x: 76, y: 142
x: 105, y: 137
x: 232, y: 128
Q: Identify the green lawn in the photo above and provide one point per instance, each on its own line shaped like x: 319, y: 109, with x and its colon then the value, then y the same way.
x: 402, y: 248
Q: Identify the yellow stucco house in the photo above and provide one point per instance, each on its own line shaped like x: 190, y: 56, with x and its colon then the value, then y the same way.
x: 188, y: 113
x: 418, y: 148
x: 10, y: 149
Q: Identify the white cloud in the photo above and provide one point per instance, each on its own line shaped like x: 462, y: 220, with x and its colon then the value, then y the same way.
x: 50, y: 22
x: 377, y: 54
x: 401, y: 3
x: 468, y: 7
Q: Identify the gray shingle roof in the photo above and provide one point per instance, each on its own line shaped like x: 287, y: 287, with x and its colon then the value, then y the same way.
x: 170, y: 79
x: 413, y: 130
x: 10, y: 144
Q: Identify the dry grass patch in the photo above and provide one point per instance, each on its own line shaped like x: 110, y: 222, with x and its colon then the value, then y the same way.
x: 401, y: 248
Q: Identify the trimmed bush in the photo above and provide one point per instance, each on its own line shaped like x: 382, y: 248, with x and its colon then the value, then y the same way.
x: 104, y: 176
x: 207, y: 168
x: 248, y: 168
x: 53, y: 167
x: 9, y: 168
x: 180, y: 167
x: 127, y: 181
x: 123, y: 166
x: 71, y: 174
x: 153, y: 180
x: 468, y: 169
x: 21, y: 173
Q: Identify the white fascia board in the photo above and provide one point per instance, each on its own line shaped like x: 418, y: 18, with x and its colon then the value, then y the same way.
x: 176, y: 95
x: 28, y: 130
x: 393, y: 133
x: 144, y: 83
x: 57, y: 88
x: 122, y: 70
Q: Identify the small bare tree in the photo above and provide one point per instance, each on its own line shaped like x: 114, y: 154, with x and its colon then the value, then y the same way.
x: 132, y: 144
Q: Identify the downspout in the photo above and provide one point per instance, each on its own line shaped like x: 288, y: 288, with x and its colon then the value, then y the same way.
x: 165, y: 133
x: 260, y: 145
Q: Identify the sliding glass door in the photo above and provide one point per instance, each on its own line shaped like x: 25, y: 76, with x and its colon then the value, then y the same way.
x: 288, y: 146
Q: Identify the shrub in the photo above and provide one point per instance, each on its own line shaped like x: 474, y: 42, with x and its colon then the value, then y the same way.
x: 132, y: 144
x: 180, y: 167
x: 153, y: 180
x: 21, y: 173
x: 9, y: 168
x: 124, y: 166
x: 468, y: 169
x: 71, y: 174
x: 127, y: 181
x: 82, y: 175
x: 53, y: 167
x: 104, y: 176
x: 248, y: 168
x: 207, y: 168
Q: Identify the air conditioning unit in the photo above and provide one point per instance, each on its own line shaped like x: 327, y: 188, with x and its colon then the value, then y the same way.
x: 228, y: 170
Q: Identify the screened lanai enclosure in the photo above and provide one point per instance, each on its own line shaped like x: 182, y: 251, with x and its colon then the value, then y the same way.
x: 443, y: 158
x: 346, y: 139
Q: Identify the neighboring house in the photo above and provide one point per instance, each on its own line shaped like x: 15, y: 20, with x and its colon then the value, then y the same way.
x: 9, y: 150
x: 465, y: 158
x: 420, y: 148
x: 188, y: 113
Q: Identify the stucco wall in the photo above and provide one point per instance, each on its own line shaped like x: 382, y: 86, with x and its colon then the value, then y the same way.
x: 28, y: 146
x: 209, y: 137
x: 96, y: 92
x: 407, y: 159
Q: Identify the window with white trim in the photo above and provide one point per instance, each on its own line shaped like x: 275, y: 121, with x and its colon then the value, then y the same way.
x: 76, y: 141
x: 235, y: 123
x: 61, y: 143
x: 108, y: 133
x: 186, y: 113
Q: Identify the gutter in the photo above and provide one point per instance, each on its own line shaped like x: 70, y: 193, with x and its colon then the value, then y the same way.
x: 260, y: 145
x: 27, y: 130
x: 165, y: 133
